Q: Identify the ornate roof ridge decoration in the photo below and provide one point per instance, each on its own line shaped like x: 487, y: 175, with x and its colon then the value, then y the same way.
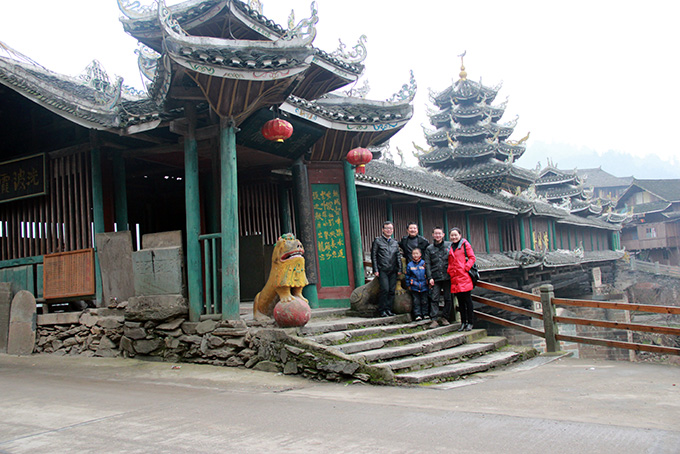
x: 357, y: 54
x: 147, y: 62
x: 349, y: 113
x: 357, y: 92
x: 13, y: 54
x: 406, y: 93
x: 92, y: 105
x: 304, y: 29
x: 135, y: 10
x: 239, y: 59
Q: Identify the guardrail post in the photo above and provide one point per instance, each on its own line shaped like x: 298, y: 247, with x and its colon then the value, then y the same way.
x: 552, y: 345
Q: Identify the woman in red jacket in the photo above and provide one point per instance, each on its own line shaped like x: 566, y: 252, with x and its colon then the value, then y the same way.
x: 461, y: 259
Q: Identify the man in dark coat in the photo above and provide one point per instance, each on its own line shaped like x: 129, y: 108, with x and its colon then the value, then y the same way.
x: 436, y: 264
x: 386, y: 261
x: 411, y: 241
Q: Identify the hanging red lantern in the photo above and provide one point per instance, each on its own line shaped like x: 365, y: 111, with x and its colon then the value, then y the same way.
x: 359, y: 157
x: 277, y: 130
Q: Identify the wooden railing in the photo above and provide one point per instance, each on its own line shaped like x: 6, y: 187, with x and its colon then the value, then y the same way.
x: 655, y: 268
x: 550, y: 321
x: 212, y: 284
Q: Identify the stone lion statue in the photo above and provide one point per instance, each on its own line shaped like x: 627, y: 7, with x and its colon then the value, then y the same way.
x: 287, y: 277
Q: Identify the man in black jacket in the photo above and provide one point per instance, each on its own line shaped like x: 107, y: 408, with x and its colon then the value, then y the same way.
x: 411, y: 241
x: 436, y: 264
x: 386, y: 261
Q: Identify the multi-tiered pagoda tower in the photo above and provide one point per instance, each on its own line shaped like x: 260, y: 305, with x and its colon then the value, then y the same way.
x: 469, y: 144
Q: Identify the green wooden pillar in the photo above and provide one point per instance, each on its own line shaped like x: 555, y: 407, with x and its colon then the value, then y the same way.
x: 390, y: 212
x: 120, y: 189
x: 522, y: 235
x: 285, y: 215
x: 500, y: 235
x: 304, y: 215
x: 193, y: 217
x: 97, y: 208
x: 211, y: 191
x: 486, y: 235
x: 446, y: 222
x: 231, y: 290
x: 554, y: 229
x: 420, y: 218
x: 354, y: 226
x: 568, y: 240
x: 551, y: 240
x: 531, y: 234
x: 592, y: 242
x: 561, y: 238
x: 467, y: 226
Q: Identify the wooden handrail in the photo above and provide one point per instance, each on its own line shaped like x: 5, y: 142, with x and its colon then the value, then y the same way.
x: 614, y: 305
x: 619, y: 325
x: 620, y: 344
x: 507, y: 307
x: 508, y: 291
x: 509, y: 324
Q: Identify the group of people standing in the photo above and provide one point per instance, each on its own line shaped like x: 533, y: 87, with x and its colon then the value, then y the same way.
x: 435, y: 273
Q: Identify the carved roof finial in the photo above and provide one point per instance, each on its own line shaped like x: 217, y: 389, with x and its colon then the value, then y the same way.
x: 462, y: 74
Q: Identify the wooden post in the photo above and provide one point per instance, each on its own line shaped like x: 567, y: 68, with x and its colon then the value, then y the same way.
x: 231, y: 290
x: 354, y: 226
x: 552, y: 345
x: 420, y: 218
x: 446, y: 223
x: 522, y: 239
x: 284, y: 210
x: 97, y: 207
x: 486, y: 234
x: 467, y: 226
x: 500, y: 235
x: 550, y: 236
x: 304, y: 213
x: 531, y: 235
x: 193, y: 217
x: 390, y: 212
x: 120, y: 188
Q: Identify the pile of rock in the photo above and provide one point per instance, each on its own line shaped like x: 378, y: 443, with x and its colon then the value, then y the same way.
x: 97, y: 332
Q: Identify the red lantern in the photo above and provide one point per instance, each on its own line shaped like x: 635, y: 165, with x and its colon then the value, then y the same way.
x: 277, y: 129
x: 359, y: 157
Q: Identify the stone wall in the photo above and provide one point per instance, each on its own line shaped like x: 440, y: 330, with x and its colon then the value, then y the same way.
x: 106, y: 332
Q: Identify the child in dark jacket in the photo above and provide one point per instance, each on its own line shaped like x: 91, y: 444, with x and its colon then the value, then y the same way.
x: 416, y: 281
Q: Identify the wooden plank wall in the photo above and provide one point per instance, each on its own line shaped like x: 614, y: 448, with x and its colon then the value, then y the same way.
x: 403, y: 215
x: 372, y: 214
x: 432, y: 217
x: 58, y: 222
x: 259, y: 213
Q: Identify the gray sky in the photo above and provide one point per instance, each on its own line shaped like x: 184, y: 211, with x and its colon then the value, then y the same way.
x: 596, y: 74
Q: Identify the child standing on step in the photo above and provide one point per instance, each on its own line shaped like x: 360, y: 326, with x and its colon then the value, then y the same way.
x: 416, y: 281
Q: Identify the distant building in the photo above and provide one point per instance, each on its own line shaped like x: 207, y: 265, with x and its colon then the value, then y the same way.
x: 604, y: 184
x: 654, y: 231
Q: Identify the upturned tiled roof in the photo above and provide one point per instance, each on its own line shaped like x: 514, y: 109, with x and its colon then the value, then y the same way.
x: 668, y: 190
x: 423, y: 183
x: 598, y: 178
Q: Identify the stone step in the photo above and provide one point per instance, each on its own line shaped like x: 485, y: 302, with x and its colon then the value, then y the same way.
x: 442, y: 341
x: 390, y: 340
x: 452, y: 371
x: 447, y: 356
x: 315, y: 327
x: 337, y: 337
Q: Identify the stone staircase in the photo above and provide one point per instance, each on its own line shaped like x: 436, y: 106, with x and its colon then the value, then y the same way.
x: 406, y: 352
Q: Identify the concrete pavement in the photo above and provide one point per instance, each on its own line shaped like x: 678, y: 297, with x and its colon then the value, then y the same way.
x: 52, y: 404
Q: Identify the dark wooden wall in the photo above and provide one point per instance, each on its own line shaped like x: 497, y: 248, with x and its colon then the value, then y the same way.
x: 60, y: 221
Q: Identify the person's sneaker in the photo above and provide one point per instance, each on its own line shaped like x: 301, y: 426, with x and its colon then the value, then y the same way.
x: 434, y: 325
x: 384, y: 314
x: 468, y: 327
x: 419, y: 318
x: 444, y: 322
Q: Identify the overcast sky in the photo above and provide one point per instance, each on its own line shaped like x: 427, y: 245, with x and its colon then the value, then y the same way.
x: 600, y: 75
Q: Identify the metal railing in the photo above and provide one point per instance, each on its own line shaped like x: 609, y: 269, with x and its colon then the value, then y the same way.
x: 550, y: 321
x: 212, y: 282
